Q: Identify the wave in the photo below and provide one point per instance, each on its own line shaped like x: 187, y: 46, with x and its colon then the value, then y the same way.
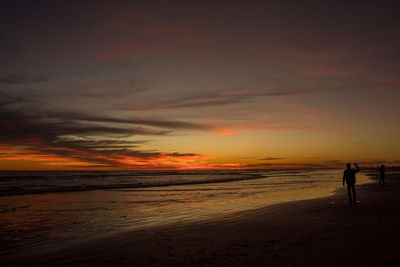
x: 28, y: 184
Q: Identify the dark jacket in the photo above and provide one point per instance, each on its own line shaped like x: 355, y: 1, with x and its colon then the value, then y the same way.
x: 350, y: 176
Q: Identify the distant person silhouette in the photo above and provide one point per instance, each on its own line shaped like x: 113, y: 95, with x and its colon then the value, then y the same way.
x: 350, y: 177
x: 381, y: 170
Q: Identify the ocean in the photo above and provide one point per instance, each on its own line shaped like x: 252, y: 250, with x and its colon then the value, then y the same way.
x: 43, y: 209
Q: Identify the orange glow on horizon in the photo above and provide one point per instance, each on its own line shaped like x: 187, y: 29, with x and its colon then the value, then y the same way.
x: 26, y: 156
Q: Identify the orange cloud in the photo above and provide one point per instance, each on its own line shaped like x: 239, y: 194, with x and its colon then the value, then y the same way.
x: 236, y: 128
x: 26, y: 154
x: 225, y: 131
x: 80, y: 158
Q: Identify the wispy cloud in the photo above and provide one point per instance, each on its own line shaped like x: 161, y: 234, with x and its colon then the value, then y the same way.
x: 7, y: 99
x: 272, y: 158
x: 70, y: 138
x: 222, y: 97
x: 289, y: 165
x: 14, y: 78
x: 335, y: 161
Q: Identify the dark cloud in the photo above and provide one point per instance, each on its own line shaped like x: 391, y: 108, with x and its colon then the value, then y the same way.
x: 234, y: 96
x: 7, y: 99
x: 12, y: 78
x: 285, y: 165
x: 335, y: 161
x: 17, y: 125
x: 364, y: 162
x: 222, y: 97
x: 272, y: 158
x: 92, y: 139
x: 99, y: 144
x: 155, y: 123
x: 376, y: 162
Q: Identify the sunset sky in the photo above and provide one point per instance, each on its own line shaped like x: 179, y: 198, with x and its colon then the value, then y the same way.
x: 197, y: 84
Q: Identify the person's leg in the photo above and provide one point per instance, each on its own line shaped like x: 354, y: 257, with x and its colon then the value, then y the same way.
x: 353, y: 188
x: 349, y: 193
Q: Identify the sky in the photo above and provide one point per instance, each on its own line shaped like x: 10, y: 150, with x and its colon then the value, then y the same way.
x: 198, y: 84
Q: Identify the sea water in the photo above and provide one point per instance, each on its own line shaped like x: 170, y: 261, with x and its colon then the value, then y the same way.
x: 42, y: 209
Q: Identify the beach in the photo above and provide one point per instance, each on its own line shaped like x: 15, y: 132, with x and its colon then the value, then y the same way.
x: 323, y: 231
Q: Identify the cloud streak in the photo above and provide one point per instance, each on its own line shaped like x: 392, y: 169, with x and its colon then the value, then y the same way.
x: 234, y: 96
x: 272, y: 158
x: 73, y: 139
x: 222, y: 97
x: 12, y: 78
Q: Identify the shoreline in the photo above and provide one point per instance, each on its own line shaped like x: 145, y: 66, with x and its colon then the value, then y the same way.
x: 318, y: 231
x: 138, y: 185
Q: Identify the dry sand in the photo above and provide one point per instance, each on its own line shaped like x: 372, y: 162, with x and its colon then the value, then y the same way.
x: 325, y: 231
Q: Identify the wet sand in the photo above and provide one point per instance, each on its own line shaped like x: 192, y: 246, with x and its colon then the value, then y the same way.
x: 325, y: 231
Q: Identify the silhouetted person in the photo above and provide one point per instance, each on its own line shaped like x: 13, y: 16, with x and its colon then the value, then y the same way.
x: 381, y: 170
x: 350, y: 177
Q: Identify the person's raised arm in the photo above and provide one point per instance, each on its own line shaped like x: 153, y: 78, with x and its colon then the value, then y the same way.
x: 357, y: 168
